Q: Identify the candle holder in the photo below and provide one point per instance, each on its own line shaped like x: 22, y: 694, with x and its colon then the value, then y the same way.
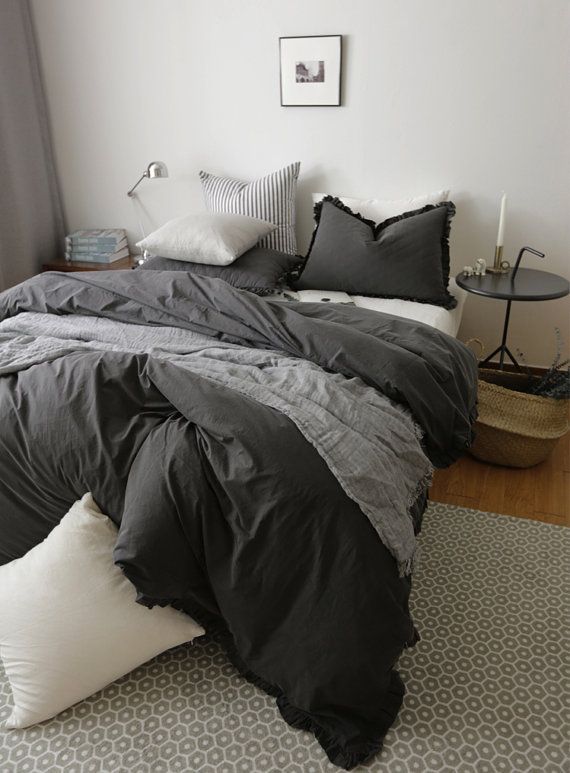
x: 499, y: 266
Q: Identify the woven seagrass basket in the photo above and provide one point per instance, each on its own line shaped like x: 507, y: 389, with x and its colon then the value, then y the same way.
x: 515, y: 429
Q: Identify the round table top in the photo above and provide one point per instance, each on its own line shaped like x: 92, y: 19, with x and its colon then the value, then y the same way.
x: 528, y: 285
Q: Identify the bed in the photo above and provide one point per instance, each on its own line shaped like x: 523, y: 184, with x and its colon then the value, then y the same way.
x: 265, y: 460
x: 263, y: 454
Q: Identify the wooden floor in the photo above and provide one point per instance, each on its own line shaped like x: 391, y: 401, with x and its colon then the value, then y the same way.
x: 541, y: 492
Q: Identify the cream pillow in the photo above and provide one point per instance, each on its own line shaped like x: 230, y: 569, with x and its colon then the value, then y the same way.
x: 69, y: 623
x: 216, y: 239
x: 379, y: 210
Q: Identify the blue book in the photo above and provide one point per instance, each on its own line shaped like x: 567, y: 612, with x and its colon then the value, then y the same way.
x: 95, y: 246
x: 98, y: 236
x: 97, y: 257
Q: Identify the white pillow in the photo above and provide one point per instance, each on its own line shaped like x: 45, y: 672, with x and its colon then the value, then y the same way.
x: 379, y: 210
x: 69, y: 623
x: 213, y: 238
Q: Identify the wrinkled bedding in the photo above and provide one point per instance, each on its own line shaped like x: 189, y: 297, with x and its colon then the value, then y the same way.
x: 266, y: 464
x: 448, y: 321
x: 369, y: 442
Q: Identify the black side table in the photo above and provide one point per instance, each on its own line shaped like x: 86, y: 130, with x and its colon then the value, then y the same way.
x: 526, y: 284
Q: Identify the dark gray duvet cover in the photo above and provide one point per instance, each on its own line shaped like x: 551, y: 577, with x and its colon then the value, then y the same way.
x: 224, y: 509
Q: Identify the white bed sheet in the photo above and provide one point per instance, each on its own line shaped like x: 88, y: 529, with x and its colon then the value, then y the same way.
x: 442, y: 319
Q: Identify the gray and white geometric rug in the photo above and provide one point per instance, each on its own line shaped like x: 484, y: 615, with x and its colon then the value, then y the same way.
x: 488, y: 686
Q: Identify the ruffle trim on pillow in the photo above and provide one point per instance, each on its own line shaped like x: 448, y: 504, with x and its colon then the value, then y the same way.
x: 317, y: 210
x: 446, y: 300
x: 340, y: 205
x: 450, y: 301
x: 281, y: 282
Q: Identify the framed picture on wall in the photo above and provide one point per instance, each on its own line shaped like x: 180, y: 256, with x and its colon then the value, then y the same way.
x: 310, y: 70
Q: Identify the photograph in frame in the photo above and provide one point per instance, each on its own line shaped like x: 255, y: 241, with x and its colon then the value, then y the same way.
x: 310, y: 69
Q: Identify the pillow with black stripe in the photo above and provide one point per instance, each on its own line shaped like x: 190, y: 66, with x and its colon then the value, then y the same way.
x: 259, y: 270
x: 270, y: 198
x: 404, y: 257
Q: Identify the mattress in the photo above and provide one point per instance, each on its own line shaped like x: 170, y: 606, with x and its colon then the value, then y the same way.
x: 442, y: 319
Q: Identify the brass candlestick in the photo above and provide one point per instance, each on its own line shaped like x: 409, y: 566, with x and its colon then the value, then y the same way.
x: 500, y: 266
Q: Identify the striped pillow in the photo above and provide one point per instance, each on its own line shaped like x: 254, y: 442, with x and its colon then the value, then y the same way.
x: 270, y: 198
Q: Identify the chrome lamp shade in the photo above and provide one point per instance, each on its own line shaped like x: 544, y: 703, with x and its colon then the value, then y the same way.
x: 154, y: 169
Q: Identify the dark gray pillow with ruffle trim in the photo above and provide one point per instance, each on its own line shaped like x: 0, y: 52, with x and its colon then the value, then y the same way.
x: 404, y: 257
x: 259, y: 270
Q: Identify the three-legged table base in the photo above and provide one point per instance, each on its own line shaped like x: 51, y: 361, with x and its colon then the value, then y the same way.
x: 503, y: 348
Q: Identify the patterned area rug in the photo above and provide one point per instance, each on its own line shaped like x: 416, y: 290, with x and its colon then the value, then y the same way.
x: 488, y: 685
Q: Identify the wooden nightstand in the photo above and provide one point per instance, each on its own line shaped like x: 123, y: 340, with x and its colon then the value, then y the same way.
x: 76, y: 265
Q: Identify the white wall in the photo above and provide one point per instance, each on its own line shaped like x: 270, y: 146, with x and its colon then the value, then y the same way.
x: 470, y: 95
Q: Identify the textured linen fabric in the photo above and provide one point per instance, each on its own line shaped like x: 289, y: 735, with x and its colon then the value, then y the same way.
x: 369, y: 443
x: 209, y: 483
x: 434, y: 375
x: 230, y: 513
x: 404, y: 257
x: 382, y: 209
x: 270, y: 198
x: 214, y: 238
x: 69, y: 624
x: 259, y: 270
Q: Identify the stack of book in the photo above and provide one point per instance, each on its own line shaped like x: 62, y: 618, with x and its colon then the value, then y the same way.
x: 97, y: 245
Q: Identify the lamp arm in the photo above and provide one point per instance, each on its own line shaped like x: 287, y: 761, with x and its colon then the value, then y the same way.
x: 524, y: 249
x: 141, y: 178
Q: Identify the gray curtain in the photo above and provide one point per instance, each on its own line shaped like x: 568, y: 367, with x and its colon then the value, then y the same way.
x: 31, y: 217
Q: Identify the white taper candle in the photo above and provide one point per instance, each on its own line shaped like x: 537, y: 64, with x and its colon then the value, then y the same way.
x: 501, y: 233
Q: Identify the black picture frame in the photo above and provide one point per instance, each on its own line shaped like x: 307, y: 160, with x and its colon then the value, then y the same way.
x: 295, y: 89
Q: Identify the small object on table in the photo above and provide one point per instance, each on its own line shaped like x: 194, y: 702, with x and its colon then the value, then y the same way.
x: 480, y: 267
x: 500, y: 266
x: 78, y: 265
x: 143, y: 257
x: 518, y: 284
